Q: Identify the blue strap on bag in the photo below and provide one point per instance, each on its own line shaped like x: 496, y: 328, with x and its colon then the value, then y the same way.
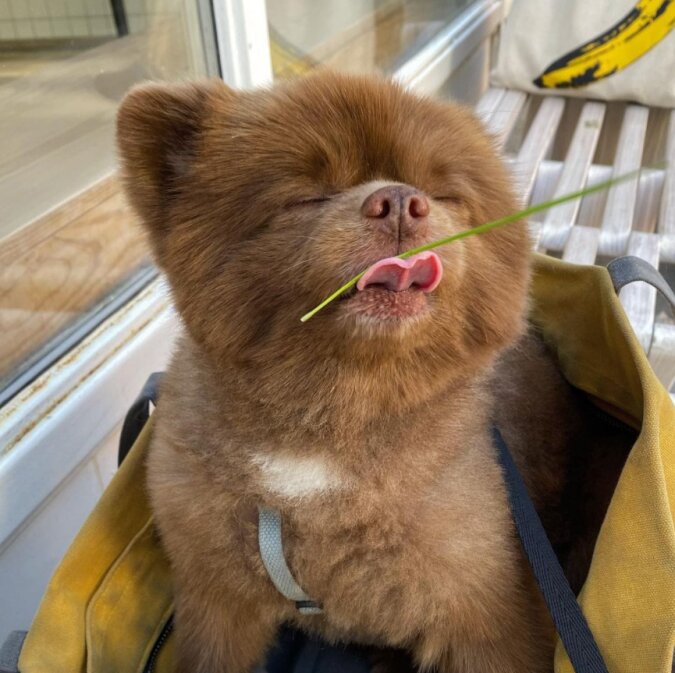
x: 567, y: 616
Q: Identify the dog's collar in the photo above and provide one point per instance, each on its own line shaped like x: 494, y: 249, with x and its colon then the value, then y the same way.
x: 272, y: 554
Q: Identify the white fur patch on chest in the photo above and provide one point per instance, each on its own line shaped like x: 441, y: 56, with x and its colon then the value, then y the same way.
x: 294, y: 476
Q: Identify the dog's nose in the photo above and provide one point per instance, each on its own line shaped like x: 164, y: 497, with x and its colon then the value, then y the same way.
x: 397, y: 210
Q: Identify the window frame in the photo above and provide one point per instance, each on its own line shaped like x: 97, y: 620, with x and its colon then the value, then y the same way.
x: 71, y: 253
x: 56, y: 422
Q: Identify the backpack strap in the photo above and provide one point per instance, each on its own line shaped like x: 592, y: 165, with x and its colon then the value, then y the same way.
x: 629, y: 269
x: 568, y: 618
x: 10, y: 652
x: 137, y: 416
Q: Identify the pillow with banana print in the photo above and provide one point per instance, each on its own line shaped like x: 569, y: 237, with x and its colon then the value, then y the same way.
x: 606, y: 49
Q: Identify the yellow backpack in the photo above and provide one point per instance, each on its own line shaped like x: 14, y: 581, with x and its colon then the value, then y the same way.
x: 108, y: 606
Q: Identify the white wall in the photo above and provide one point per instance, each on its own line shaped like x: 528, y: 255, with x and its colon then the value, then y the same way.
x: 30, y: 556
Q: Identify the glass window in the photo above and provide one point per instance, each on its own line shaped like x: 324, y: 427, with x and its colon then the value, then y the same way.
x: 70, y: 250
x: 353, y: 35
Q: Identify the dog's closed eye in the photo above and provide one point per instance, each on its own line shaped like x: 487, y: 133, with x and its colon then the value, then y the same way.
x: 312, y: 200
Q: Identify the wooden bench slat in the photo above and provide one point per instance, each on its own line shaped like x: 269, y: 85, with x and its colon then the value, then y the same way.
x: 560, y: 220
x: 620, y: 208
x: 582, y: 245
x: 545, y: 181
x: 505, y: 115
x: 661, y: 354
x: 488, y: 103
x: 537, y: 143
x: 666, y: 223
x: 650, y: 188
x: 639, y: 299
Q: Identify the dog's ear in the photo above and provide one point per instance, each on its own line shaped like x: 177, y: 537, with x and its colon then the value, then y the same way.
x: 158, y: 129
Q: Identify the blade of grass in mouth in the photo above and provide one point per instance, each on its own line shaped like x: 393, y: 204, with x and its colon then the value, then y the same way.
x: 488, y: 226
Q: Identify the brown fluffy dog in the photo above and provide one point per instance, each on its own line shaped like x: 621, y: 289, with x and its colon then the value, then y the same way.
x: 368, y: 426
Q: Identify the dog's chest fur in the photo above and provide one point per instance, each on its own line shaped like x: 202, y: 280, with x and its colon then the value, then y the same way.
x: 384, y: 554
x: 285, y: 474
x: 384, y: 544
x: 398, y: 531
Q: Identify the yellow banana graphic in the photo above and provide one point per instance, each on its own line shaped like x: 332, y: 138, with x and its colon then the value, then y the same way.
x: 647, y: 23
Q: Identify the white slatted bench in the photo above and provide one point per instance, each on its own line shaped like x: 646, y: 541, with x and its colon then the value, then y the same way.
x: 551, y: 144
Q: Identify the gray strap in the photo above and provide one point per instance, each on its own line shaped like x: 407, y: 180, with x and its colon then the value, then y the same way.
x: 10, y: 651
x: 625, y: 270
x: 272, y: 555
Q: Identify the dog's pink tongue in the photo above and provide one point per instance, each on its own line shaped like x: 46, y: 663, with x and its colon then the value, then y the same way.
x: 423, y: 270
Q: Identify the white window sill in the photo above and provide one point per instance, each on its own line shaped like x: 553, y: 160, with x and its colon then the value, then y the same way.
x: 55, y: 423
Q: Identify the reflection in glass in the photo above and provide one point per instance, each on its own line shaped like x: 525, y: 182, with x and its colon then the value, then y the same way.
x: 68, y: 243
x: 353, y: 35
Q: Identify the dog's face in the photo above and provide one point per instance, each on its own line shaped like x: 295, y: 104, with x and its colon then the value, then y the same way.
x: 260, y: 204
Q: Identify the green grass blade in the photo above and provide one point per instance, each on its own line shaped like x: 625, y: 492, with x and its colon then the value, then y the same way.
x: 488, y: 226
